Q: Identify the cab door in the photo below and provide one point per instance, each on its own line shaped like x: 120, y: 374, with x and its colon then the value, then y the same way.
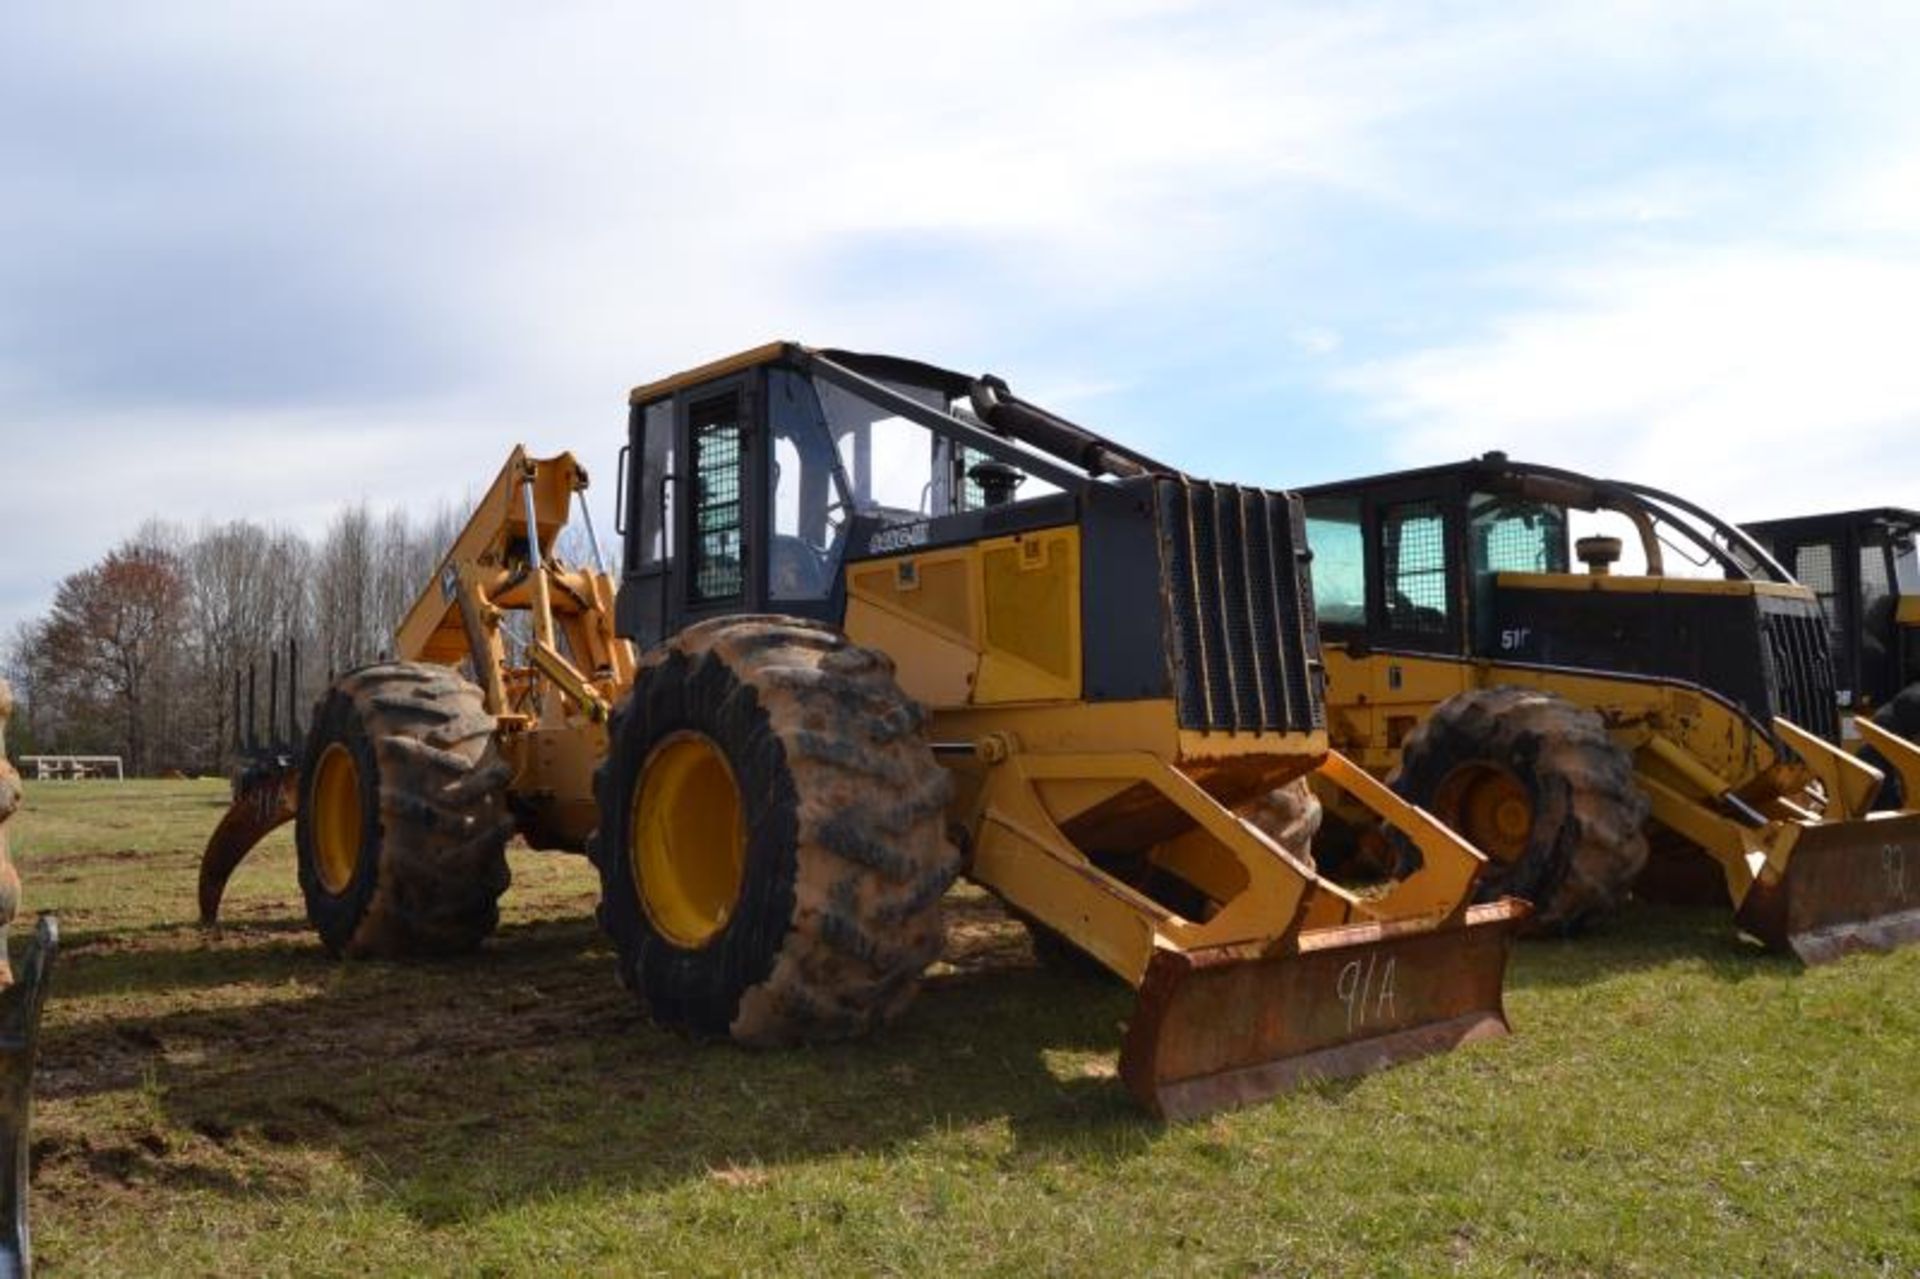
x: 648, y: 478
x: 1391, y: 605
x: 1417, y: 607
x: 717, y: 572
x: 693, y: 510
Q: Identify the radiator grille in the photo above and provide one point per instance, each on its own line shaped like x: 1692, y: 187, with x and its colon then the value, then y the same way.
x: 1244, y: 645
x: 1800, y: 666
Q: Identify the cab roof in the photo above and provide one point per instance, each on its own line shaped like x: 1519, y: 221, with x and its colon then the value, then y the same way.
x: 892, y: 367
x: 766, y: 353
x: 1899, y: 518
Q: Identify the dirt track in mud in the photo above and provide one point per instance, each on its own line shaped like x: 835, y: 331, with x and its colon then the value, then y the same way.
x: 235, y: 1059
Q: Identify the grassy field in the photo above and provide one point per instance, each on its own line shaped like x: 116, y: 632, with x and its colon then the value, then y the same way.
x: 1672, y: 1103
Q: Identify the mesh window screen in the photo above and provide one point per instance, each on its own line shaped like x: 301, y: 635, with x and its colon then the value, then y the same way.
x: 717, y: 513
x: 1875, y: 584
x: 972, y: 496
x: 1413, y: 535
x: 1813, y: 565
x: 1514, y: 539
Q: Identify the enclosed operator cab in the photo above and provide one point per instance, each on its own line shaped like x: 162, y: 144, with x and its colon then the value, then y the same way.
x: 1865, y: 568
x: 1000, y: 555
x: 1531, y: 567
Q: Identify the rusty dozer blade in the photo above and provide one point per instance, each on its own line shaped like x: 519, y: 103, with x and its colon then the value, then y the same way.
x: 20, y: 1006
x: 1849, y: 886
x: 1224, y: 1027
x: 264, y: 797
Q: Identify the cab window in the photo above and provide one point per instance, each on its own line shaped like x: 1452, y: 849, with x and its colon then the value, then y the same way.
x: 1413, y: 553
x: 1906, y: 563
x: 1813, y: 567
x: 1878, y: 606
x: 1876, y: 584
x: 1339, y: 560
x: 808, y: 500
x: 888, y: 460
x: 1509, y: 535
x: 716, y: 435
x: 654, y: 494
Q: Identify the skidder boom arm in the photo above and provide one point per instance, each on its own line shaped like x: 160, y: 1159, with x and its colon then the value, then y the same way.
x: 502, y: 560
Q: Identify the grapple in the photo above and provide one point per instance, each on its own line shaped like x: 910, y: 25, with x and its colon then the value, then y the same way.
x: 265, y: 795
x: 266, y: 787
x: 1223, y: 1027
x: 1848, y: 886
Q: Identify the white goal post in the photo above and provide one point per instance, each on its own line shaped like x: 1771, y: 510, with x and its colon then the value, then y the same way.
x: 72, y: 768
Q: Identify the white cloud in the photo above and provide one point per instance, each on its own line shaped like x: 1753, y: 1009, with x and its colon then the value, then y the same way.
x: 1882, y: 197
x: 1316, y: 339
x: 1662, y: 197
x: 531, y: 208
x: 567, y: 201
x: 1757, y: 380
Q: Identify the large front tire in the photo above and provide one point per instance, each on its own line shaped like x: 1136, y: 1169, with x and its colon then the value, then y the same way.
x: 1536, y: 784
x: 772, y: 846
x: 402, y: 824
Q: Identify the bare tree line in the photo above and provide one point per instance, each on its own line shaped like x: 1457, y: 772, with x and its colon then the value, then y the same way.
x: 138, y: 654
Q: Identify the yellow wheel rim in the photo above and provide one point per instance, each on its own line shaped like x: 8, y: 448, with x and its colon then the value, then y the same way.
x: 1489, y: 806
x: 687, y: 839
x: 335, y: 801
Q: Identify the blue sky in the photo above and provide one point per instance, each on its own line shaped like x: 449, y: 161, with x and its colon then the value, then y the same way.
x: 263, y: 260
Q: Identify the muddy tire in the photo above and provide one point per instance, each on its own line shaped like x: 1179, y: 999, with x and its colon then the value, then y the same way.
x: 1537, y: 784
x: 1900, y: 715
x: 1293, y: 817
x: 1289, y: 815
x: 839, y: 850
x: 402, y: 753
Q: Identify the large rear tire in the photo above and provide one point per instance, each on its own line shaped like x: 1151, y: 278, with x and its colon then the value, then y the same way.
x: 402, y: 825
x: 1900, y: 715
x: 1536, y: 784
x: 772, y: 845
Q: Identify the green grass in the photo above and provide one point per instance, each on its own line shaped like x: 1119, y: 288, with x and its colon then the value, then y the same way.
x: 1672, y: 1102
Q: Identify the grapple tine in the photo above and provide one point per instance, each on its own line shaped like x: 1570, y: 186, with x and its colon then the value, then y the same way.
x: 1849, y: 886
x: 20, y: 1007
x: 1228, y: 1026
x: 264, y: 797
